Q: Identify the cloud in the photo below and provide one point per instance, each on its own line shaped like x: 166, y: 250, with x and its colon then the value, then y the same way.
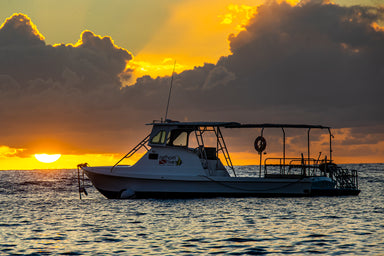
x: 6, y: 151
x: 315, y: 62
x: 48, y: 90
x: 20, y: 31
x: 219, y: 76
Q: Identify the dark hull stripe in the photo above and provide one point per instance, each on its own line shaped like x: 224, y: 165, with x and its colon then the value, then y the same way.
x: 181, y: 195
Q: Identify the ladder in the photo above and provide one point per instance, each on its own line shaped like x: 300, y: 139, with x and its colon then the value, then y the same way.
x: 200, y: 142
x: 223, y: 148
x: 345, y: 179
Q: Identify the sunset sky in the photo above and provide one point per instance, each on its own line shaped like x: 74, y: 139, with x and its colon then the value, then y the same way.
x: 81, y: 78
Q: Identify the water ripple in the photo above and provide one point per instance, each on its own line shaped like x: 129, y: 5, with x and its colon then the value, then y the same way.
x: 41, y: 214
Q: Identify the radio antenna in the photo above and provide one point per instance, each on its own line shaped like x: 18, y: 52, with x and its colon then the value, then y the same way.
x: 170, y: 90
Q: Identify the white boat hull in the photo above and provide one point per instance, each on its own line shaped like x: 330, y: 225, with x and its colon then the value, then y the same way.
x: 154, y: 186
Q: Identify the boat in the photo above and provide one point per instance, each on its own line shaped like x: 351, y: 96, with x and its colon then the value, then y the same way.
x: 178, y: 163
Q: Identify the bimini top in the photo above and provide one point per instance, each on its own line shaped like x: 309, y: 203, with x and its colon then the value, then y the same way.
x: 195, y: 125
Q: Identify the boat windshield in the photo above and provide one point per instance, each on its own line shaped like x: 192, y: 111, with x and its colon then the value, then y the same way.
x: 178, y: 137
x: 159, y: 138
x: 175, y: 137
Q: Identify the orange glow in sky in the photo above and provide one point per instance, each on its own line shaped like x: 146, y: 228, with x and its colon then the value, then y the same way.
x: 193, y: 40
x: 357, y: 154
x: 191, y: 33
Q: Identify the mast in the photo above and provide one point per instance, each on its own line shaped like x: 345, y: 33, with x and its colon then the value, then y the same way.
x: 170, y: 90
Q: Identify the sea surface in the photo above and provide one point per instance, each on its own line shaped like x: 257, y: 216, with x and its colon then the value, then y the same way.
x: 41, y: 214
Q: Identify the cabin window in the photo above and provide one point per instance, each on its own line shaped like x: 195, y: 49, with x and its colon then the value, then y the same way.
x: 159, y: 138
x: 181, y: 140
x: 178, y: 138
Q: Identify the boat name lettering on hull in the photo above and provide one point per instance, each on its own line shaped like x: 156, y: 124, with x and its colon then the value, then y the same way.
x: 170, y: 160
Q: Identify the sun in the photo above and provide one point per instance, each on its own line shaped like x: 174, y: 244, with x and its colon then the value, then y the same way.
x: 45, y: 158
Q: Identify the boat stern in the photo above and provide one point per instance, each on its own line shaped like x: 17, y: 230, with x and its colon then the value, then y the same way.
x: 324, y: 186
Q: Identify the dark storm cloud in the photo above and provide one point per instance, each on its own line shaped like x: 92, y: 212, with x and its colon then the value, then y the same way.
x: 311, y: 63
x: 321, y: 61
x: 26, y: 57
x: 48, y: 92
x: 18, y: 30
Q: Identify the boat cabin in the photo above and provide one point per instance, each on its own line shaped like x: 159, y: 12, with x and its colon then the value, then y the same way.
x: 176, y: 136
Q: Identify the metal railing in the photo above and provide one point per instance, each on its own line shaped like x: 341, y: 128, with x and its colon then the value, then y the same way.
x: 310, y: 167
x: 289, y: 166
x: 133, y: 151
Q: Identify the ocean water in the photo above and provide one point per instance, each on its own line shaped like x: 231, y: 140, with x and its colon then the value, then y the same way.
x: 41, y: 214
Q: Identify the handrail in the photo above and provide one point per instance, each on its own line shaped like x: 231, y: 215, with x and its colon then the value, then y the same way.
x: 343, y: 178
x: 310, y: 164
x: 133, y: 151
x: 291, y: 160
